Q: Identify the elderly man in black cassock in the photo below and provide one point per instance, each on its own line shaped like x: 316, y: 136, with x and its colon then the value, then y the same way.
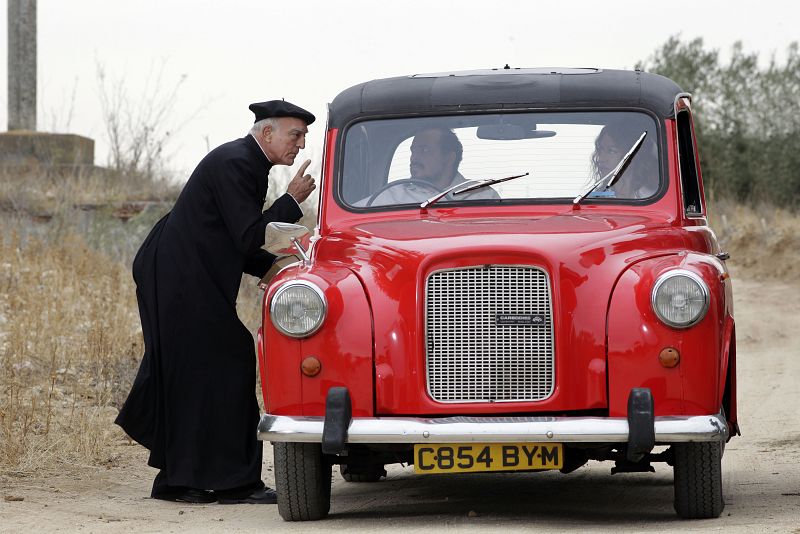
x: 193, y: 402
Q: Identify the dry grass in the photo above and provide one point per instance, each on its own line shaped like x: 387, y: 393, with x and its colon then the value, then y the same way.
x: 42, y: 191
x: 763, y: 240
x: 70, y: 336
x: 70, y: 339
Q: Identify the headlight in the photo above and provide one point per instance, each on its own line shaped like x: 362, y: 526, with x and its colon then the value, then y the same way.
x: 298, y: 308
x: 680, y: 298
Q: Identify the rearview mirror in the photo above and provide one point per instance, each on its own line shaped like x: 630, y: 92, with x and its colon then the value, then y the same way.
x: 508, y: 132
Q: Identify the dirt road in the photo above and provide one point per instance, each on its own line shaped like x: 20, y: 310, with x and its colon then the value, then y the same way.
x: 761, y: 473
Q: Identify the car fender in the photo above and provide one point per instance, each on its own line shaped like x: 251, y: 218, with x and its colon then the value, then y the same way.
x: 343, y: 345
x: 636, y: 337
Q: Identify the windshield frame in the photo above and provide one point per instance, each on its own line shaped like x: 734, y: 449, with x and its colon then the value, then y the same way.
x: 340, y: 156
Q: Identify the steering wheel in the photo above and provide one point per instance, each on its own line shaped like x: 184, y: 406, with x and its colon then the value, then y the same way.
x: 406, y: 182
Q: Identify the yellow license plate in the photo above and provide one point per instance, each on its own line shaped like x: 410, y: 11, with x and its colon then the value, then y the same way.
x: 477, y: 457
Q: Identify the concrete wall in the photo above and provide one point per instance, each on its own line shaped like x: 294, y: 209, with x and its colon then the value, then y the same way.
x: 30, y: 148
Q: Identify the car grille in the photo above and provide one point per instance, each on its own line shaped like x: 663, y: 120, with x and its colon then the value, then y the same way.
x: 474, y: 351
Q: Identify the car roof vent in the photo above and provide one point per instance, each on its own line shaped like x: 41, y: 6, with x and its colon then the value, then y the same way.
x: 506, y: 70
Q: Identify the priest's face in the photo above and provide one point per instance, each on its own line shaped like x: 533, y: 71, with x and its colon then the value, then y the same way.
x: 282, y: 143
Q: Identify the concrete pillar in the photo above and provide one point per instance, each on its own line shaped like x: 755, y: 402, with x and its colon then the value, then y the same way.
x: 21, y: 65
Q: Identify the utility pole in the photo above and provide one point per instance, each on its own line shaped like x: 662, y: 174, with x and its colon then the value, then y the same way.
x: 21, y: 65
x: 22, y: 148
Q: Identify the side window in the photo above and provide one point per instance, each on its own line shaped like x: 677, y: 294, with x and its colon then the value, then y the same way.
x: 690, y: 181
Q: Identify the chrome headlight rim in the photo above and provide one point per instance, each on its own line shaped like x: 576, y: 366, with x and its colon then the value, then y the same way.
x: 695, y: 278
x: 289, y: 285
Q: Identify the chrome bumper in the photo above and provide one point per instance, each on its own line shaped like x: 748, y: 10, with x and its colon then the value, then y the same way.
x: 492, y: 429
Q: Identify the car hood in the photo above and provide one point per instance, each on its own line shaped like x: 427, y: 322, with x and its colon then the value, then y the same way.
x: 573, y: 241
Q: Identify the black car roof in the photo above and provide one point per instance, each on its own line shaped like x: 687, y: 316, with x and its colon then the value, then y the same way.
x: 498, y: 89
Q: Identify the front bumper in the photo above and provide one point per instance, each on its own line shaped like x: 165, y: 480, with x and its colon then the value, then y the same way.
x: 493, y: 429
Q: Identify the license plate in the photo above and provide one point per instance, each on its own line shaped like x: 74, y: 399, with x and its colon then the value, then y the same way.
x: 477, y: 457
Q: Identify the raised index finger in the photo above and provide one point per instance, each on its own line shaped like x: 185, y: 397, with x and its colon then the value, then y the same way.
x: 303, y: 167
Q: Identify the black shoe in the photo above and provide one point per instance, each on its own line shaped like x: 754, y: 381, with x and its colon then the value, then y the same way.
x: 190, y: 495
x: 262, y: 496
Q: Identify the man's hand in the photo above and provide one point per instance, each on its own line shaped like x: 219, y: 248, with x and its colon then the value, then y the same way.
x: 302, y: 184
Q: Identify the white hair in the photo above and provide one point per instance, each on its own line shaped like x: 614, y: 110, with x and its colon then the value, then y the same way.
x: 259, y: 126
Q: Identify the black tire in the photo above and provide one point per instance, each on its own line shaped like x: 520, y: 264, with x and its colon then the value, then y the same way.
x: 303, y: 481
x: 698, y: 480
x: 372, y: 476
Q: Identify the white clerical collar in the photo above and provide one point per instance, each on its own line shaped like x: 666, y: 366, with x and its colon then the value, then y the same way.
x: 262, y: 148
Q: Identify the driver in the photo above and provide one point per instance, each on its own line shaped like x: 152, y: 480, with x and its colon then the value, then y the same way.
x: 435, y: 156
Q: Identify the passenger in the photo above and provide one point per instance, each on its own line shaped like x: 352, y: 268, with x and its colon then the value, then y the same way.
x: 640, y: 179
x: 435, y: 156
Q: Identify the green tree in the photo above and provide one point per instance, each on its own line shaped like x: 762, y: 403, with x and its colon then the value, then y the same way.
x: 747, y: 118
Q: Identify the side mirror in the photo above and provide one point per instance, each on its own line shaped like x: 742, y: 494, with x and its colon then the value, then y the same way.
x: 283, y: 239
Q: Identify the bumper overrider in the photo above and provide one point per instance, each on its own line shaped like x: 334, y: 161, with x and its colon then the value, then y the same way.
x: 640, y: 430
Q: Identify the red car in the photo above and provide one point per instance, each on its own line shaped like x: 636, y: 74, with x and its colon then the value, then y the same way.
x: 512, y: 270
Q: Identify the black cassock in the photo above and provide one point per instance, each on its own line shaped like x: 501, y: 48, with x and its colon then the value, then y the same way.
x: 193, y: 402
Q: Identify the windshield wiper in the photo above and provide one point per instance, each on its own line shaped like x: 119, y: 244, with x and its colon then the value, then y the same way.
x: 612, y: 177
x: 470, y: 187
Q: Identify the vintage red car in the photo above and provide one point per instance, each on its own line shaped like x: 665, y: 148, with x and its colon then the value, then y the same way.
x: 512, y: 270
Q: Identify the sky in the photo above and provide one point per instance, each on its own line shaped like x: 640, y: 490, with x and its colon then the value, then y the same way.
x: 220, y: 56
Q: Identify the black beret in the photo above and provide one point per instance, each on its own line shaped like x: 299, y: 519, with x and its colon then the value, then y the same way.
x: 280, y: 108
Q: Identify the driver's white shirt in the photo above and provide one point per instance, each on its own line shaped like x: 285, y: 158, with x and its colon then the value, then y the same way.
x: 412, y: 193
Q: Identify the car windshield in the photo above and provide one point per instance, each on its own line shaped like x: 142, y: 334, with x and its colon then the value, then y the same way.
x: 393, y: 163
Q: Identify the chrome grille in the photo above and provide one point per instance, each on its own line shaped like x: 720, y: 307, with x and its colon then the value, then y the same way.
x: 472, y: 358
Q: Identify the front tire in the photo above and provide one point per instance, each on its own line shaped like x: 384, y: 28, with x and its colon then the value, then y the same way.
x: 303, y: 481
x: 698, y: 480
